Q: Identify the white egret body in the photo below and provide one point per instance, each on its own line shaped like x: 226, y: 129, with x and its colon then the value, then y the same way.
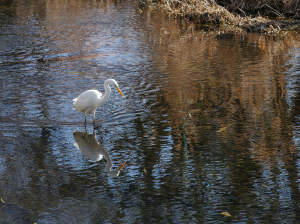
x: 90, y: 100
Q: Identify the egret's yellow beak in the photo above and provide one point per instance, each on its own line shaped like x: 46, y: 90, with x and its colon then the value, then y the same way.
x: 120, y: 91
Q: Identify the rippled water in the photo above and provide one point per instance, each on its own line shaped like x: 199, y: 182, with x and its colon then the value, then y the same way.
x: 208, y: 129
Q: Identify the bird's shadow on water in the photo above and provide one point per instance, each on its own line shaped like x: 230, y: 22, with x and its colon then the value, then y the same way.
x: 89, y: 146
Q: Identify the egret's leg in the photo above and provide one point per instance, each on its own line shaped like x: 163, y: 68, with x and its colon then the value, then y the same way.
x: 85, y: 121
x: 94, y: 118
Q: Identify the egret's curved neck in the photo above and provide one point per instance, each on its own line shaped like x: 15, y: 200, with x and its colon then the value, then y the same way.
x: 107, y: 91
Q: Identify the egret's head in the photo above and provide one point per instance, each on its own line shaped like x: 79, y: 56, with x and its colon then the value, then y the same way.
x: 115, y: 84
x: 112, y: 82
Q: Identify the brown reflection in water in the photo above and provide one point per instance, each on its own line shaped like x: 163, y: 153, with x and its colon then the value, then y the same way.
x: 221, y: 79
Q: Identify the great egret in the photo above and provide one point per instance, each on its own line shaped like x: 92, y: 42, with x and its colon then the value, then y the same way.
x: 90, y: 100
x: 89, y: 146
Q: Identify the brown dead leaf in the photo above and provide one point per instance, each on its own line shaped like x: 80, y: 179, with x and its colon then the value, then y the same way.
x: 226, y: 214
x: 224, y: 128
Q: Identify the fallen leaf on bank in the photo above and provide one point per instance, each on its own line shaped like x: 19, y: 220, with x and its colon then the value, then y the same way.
x: 145, y: 170
x: 226, y: 214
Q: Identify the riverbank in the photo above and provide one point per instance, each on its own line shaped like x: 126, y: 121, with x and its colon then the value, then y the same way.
x: 253, y: 16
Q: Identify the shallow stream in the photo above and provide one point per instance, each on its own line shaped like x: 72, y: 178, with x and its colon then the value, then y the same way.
x: 209, y: 128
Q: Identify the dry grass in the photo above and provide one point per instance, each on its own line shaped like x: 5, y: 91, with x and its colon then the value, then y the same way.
x: 208, y: 12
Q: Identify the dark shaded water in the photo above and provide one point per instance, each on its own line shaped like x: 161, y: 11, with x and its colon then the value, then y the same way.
x: 210, y: 122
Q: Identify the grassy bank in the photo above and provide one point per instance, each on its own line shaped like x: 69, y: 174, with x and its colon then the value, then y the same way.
x: 271, y: 8
x: 253, y: 15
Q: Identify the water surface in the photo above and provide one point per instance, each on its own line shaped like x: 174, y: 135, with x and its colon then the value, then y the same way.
x: 210, y: 122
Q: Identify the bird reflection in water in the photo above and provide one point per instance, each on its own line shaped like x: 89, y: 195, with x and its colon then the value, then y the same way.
x: 89, y: 146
